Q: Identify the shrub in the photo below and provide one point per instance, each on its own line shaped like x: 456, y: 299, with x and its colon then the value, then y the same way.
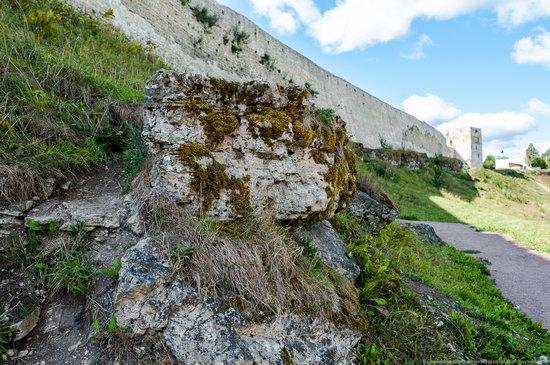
x: 240, y: 38
x: 44, y: 23
x: 203, y: 16
x: 489, y: 162
x: 326, y: 115
x: 539, y: 162
x: 438, y: 169
x: 268, y: 62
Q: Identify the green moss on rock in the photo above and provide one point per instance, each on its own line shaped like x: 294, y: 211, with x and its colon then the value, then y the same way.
x: 220, y: 106
x: 217, y: 125
x: 268, y: 123
x: 209, y: 181
x: 285, y: 357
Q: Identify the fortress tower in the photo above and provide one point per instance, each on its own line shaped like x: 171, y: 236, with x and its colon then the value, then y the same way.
x: 467, y: 144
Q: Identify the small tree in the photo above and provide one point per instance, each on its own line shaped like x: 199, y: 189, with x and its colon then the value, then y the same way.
x: 489, y: 162
x: 539, y: 162
x: 438, y: 171
x: 531, y: 154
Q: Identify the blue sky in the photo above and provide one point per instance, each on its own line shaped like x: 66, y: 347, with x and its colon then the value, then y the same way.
x: 484, y: 63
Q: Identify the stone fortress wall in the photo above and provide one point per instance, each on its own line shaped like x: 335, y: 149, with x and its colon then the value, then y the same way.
x: 170, y: 29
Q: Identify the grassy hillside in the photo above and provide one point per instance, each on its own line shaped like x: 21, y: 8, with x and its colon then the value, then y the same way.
x: 68, y: 88
x: 430, y: 302
x: 511, y: 203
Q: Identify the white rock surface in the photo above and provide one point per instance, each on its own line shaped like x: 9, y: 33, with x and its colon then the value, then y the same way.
x: 149, y: 301
x: 263, y: 163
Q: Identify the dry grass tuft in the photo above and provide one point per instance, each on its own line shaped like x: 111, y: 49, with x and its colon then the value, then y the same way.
x: 18, y: 184
x: 257, y: 267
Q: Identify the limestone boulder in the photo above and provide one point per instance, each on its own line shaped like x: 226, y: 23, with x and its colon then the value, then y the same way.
x: 425, y: 231
x: 150, y: 300
x: 222, y: 147
x: 373, y: 206
x: 330, y: 248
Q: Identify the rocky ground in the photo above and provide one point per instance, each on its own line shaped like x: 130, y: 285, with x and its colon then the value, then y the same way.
x: 58, y: 325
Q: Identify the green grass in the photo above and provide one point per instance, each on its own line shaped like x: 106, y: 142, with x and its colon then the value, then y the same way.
x: 401, y: 331
x: 67, y: 84
x: 512, y: 204
x: 67, y: 265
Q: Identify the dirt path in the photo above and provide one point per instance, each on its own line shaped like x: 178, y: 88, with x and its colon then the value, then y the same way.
x: 523, y: 275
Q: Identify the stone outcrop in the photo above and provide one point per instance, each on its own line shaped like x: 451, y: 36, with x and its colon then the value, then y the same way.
x: 407, y: 158
x: 222, y: 147
x: 425, y: 231
x: 150, y: 301
x: 329, y: 247
x: 374, y: 207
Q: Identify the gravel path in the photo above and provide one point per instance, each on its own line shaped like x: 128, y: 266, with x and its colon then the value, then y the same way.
x: 523, y: 275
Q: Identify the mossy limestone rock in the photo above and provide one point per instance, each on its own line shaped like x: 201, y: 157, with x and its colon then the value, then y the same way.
x: 200, y: 330
x: 224, y: 147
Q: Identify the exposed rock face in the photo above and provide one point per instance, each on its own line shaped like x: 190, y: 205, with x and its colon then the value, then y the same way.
x: 407, y: 158
x: 330, y: 248
x: 426, y: 231
x: 375, y: 207
x: 197, y: 330
x: 221, y: 147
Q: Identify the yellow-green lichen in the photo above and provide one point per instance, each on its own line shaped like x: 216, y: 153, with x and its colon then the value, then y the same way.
x: 218, y: 125
x: 303, y: 135
x: 319, y: 156
x: 225, y: 89
x: 268, y: 123
x: 329, y: 138
x: 240, y: 194
x: 216, y: 122
x: 285, y: 357
x: 197, y: 106
x: 188, y: 154
x: 209, y: 181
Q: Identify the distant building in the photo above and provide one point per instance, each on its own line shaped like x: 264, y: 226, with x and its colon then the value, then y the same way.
x: 467, y: 144
x: 516, y: 166
x: 502, y: 162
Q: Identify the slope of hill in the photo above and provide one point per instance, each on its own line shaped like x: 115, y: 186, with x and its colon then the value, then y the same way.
x: 506, y: 202
x: 69, y: 90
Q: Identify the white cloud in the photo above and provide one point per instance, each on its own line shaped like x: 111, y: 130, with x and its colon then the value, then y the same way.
x: 517, y: 12
x: 430, y: 108
x: 542, y: 146
x: 287, y: 15
x: 418, y: 52
x: 536, y: 106
x: 494, y: 126
x: 533, y: 50
x: 357, y: 24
